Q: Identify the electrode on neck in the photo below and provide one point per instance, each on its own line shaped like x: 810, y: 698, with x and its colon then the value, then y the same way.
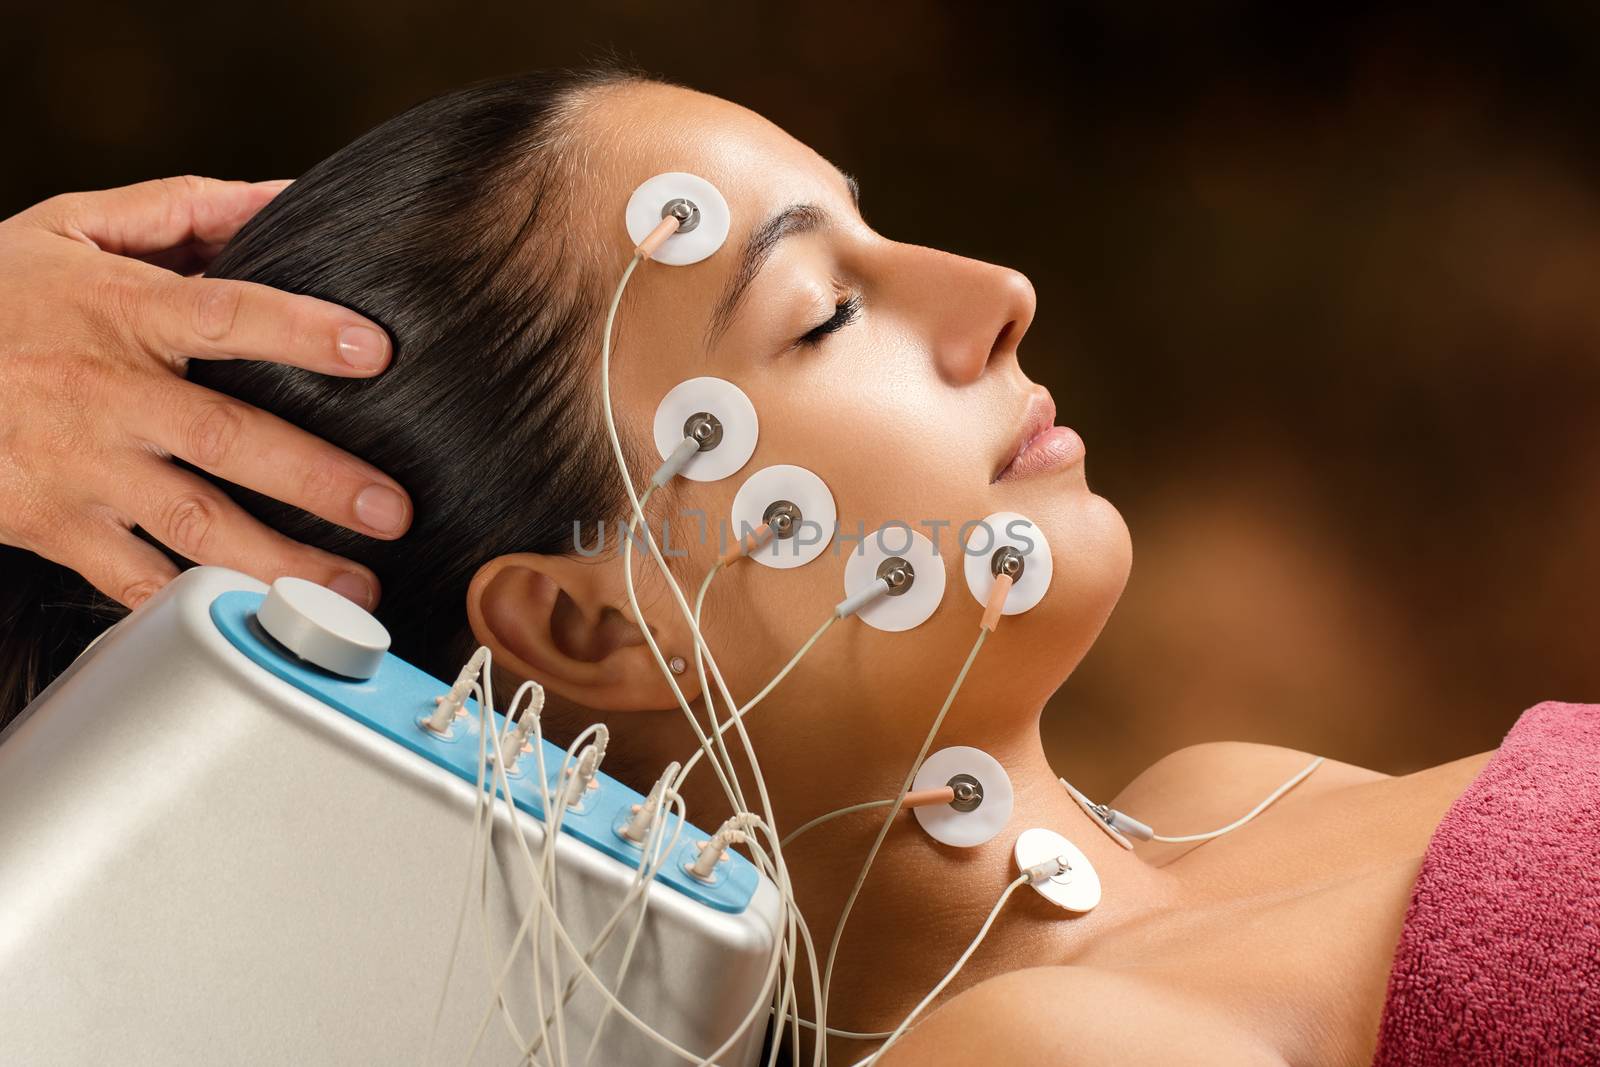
x: 980, y: 796
x: 1074, y: 883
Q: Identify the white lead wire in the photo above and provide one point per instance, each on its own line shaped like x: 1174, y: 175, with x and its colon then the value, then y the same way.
x: 1252, y: 813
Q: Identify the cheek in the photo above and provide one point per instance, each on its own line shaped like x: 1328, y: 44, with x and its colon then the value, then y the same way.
x: 890, y: 440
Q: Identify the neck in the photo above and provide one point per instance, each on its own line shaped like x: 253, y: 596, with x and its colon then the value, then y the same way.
x: 923, y: 902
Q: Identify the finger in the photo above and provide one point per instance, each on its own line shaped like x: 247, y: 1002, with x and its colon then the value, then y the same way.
x: 157, y: 215
x: 258, y: 450
x: 199, y: 522
x: 113, y: 560
x: 186, y: 259
x: 211, y: 318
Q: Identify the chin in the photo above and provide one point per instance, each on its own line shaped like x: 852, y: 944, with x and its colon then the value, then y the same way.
x: 1092, y: 556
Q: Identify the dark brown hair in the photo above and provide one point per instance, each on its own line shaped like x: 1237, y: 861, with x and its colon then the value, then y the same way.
x: 442, y: 225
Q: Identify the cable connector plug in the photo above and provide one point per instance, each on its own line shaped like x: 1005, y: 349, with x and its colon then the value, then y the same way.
x: 673, y: 465
x: 665, y: 228
x: 1125, y: 823
x: 517, y: 740
x: 715, y: 851
x: 997, y: 602
x: 856, y: 601
x: 746, y: 545
x: 581, y: 778
x: 453, y: 703
x: 1045, y: 870
x: 642, y: 817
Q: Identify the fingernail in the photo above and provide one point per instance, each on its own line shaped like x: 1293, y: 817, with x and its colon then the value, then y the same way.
x: 278, y: 184
x: 363, y: 348
x: 381, y: 508
x: 353, y: 587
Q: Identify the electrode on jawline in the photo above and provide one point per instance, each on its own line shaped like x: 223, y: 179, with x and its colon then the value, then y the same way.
x: 1014, y: 547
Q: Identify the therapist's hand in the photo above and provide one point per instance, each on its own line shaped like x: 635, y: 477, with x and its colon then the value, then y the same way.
x: 97, y: 324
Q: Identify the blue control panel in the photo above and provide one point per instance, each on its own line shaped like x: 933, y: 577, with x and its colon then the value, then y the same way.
x: 394, y: 700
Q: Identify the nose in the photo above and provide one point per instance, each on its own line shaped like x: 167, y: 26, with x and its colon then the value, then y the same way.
x: 969, y: 312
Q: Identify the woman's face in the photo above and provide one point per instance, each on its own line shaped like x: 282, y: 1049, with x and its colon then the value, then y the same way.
x: 910, y: 409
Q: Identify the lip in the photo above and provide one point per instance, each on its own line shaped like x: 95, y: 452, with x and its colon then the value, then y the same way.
x: 1040, y: 444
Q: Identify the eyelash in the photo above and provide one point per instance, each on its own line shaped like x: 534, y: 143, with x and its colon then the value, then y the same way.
x: 843, y: 315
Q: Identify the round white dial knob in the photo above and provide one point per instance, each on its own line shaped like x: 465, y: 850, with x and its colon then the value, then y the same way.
x: 323, y: 628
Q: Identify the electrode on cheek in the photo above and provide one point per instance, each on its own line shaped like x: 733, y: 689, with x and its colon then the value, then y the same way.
x: 894, y: 580
x: 705, y: 429
x: 795, y: 506
x: 1007, y: 544
x: 982, y: 798
x: 702, y: 214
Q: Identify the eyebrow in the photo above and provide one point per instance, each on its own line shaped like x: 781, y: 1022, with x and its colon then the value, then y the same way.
x: 758, y: 248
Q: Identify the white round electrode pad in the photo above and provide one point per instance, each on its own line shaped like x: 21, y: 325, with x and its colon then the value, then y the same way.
x: 803, y: 489
x: 644, y: 215
x: 1076, y: 889
x: 986, y: 537
x: 945, y: 823
x: 911, y: 608
x: 732, y: 409
x: 323, y: 628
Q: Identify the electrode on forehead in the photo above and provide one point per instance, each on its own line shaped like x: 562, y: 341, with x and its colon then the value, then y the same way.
x: 798, y: 508
x: 1077, y: 887
x: 983, y: 798
x: 718, y: 416
x: 909, y: 564
x: 1008, y: 543
x: 702, y: 212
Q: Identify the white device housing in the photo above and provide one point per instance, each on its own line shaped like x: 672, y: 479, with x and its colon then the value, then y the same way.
x: 201, y: 863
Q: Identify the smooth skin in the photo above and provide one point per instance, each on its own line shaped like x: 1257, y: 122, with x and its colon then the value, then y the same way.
x: 1268, y: 946
x: 100, y: 312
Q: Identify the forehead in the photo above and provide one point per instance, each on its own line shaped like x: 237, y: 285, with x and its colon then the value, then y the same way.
x: 633, y: 132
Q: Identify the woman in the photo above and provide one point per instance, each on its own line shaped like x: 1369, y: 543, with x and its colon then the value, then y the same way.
x: 484, y: 231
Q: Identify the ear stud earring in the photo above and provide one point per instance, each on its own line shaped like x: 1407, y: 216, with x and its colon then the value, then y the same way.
x: 677, y: 665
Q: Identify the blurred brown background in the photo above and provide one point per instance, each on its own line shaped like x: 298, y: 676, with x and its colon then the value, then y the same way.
x: 1322, y: 292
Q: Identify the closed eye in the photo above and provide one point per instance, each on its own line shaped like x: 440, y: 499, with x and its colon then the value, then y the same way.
x: 843, y: 315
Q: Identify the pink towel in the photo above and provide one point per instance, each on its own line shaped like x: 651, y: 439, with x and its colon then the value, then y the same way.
x: 1499, y: 960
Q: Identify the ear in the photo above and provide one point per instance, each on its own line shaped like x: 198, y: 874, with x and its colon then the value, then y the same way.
x: 566, y: 622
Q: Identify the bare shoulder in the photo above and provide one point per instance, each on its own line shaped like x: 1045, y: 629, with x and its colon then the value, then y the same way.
x: 1077, y: 1017
x: 1228, y: 773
